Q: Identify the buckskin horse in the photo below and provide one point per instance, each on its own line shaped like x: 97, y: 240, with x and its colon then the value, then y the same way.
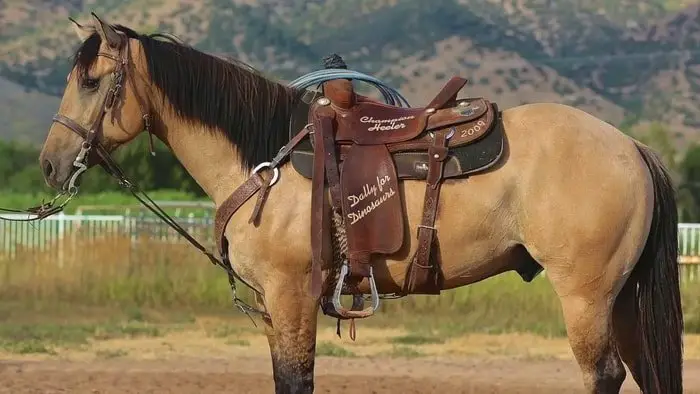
x: 484, y: 191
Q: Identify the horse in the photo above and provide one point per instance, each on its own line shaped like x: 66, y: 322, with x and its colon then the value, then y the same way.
x: 570, y: 194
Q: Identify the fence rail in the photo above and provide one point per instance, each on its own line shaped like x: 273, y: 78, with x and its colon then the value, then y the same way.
x: 51, y: 234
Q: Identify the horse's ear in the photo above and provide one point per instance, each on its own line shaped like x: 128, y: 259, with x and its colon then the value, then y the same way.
x: 83, y: 32
x: 107, y: 32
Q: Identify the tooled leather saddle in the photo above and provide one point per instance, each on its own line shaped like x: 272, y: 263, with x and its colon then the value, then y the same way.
x: 356, y: 151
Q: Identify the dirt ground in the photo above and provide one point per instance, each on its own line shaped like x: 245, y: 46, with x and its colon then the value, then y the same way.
x: 251, y: 375
x: 237, y: 362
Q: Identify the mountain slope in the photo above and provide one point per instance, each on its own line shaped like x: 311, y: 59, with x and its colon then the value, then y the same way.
x: 25, y: 115
x: 618, y: 59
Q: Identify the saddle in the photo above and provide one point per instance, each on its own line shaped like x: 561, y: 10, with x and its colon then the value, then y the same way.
x: 361, y: 149
x: 356, y: 151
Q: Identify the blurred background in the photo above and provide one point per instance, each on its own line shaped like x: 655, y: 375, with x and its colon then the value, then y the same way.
x: 106, y: 269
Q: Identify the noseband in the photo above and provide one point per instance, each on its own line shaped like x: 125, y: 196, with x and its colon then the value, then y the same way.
x: 114, y: 95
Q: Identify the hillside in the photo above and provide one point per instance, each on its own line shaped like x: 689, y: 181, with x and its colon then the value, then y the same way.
x: 625, y: 61
x: 25, y: 115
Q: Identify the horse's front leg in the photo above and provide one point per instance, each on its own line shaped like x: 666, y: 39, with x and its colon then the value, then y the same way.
x: 291, y: 331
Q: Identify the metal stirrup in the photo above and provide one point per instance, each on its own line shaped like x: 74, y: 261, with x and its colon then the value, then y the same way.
x: 356, y: 311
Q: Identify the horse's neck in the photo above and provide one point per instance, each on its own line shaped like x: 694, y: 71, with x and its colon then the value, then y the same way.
x: 207, y: 156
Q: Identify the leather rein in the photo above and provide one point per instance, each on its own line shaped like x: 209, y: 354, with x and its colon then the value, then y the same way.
x: 81, y: 163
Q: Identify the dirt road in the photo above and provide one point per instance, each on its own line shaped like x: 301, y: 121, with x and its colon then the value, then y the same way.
x: 194, y: 362
x: 334, y: 375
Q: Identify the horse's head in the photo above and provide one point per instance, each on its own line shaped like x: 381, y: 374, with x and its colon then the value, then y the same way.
x: 101, y: 108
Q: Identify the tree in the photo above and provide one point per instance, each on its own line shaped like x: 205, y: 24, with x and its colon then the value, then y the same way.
x: 684, y: 168
x: 21, y: 172
x: 689, y: 189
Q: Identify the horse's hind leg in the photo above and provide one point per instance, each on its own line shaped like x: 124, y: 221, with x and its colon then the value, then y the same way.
x: 589, y: 327
x: 588, y: 286
x: 626, y: 326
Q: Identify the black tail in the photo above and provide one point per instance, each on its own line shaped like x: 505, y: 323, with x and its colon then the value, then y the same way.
x: 659, y: 296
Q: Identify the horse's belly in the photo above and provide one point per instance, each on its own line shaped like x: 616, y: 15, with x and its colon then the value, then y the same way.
x: 474, y: 241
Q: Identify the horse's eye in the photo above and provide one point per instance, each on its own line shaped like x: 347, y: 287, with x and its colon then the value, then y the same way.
x: 90, y: 83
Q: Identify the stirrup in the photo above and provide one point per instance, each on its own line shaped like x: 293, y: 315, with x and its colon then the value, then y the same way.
x: 356, y: 311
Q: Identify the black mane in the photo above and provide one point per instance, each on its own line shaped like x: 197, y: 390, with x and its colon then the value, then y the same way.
x: 252, y: 111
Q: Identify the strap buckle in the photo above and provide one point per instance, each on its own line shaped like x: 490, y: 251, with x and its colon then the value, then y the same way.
x: 275, y: 171
x: 452, y: 133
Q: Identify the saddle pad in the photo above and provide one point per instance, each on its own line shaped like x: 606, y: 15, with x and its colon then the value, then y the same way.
x: 463, y: 160
x: 371, y: 201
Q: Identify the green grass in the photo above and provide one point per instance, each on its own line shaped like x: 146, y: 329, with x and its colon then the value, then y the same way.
x: 691, y: 307
x: 238, y: 342
x: 44, y: 337
x: 109, y: 354
x: 111, y: 274
x: 228, y: 331
x: 332, y: 350
x: 45, y: 327
x: 497, y: 305
x: 403, y: 352
x: 109, y: 202
x: 416, y: 339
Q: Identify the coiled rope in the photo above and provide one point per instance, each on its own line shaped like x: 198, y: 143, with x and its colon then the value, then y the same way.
x: 315, y: 78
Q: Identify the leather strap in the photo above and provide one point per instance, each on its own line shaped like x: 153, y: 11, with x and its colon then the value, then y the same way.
x: 423, y: 274
x: 448, y: 93
x: 234, y: 202
x: 73, y: 125
x: 327, y: 137
x: 287, y: 149
x: 359, y: 262
x: 321, y: 247
x: 251, y: 186
x: 262, y: 197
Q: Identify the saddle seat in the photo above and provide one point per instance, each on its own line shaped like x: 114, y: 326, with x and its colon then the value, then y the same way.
x: 358, y: 151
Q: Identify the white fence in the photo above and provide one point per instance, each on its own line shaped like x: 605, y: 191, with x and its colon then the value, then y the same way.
x: 50, y: 234
x: 60, y: 232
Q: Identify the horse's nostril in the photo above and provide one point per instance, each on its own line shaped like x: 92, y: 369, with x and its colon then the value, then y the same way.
x: 48, y: 168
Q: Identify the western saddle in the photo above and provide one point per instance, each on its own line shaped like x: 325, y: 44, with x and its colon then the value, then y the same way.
x: 355, y: 150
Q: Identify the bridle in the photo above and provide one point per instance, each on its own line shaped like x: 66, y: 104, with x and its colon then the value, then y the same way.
x: 111, y: 102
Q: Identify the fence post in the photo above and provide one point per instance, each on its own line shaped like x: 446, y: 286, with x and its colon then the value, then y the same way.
x: 61, y: 218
